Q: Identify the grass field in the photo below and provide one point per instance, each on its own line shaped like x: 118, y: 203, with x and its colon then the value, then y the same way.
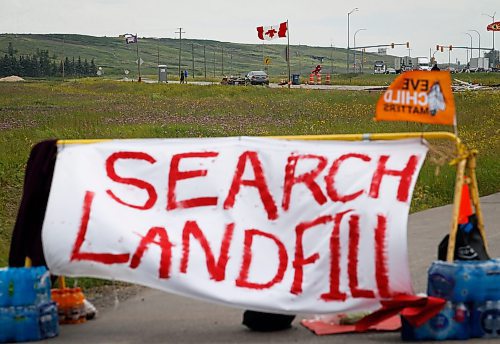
x: 199, y: 57
x: 35, y: 111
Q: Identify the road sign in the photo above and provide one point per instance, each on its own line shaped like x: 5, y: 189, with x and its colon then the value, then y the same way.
x: 140, y: 61
x: 267, y: 60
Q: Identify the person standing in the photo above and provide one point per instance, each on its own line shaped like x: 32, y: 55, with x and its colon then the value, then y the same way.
x: 182, y: 77
x: 185, y: 75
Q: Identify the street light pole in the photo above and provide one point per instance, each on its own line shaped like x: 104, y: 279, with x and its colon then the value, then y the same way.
x: 479, y: 35
x: 348, y: 35
x: 355, y: 33
x: 470, y: 36
x: 493, y: 33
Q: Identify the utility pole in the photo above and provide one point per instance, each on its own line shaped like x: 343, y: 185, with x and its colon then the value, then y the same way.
x: 300, y: 61
x: 180, y: 32
x: 214, y: 62
x: 138, y: 58
x: 222, y: 62
x: 192, y: 57
x: 331, y: 58
x: 205, y: 61
x: 64, y: 58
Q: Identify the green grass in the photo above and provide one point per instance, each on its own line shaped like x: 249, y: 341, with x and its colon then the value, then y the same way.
x: 222, y: 58
x: 35, y: 111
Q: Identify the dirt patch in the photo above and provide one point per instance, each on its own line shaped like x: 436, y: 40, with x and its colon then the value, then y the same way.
x: 12, y: 78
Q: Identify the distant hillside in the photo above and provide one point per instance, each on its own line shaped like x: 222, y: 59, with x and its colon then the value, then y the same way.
x: 222, y: 58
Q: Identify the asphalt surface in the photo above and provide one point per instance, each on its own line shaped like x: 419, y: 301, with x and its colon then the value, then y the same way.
x: 158, y: 317
x: 273, y: 85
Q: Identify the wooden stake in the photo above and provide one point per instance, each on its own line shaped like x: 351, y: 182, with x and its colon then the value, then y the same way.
x: 459, y: 181
x: 474, y: 191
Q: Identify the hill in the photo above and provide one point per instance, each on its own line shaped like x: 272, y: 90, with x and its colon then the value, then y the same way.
x: 211, y: 59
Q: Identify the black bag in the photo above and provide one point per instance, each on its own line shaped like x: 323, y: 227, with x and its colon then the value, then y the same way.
x: 469, y: 244
x: 267, y: 322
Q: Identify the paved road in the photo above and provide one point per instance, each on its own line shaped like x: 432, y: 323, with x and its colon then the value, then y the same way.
x: 304, y: 86
x: 158, y: 317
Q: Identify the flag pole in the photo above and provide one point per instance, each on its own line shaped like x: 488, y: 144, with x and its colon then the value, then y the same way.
x: 288, y: 52
x: 138, y: 58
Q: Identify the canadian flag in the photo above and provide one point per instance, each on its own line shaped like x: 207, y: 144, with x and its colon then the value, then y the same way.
x: 271, y: 32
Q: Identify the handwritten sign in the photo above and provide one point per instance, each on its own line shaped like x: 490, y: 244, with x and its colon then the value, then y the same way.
x: 266, y: 224
x: 418, y: 96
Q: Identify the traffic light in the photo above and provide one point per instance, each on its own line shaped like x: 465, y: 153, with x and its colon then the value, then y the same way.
x: 441, y: 48
x: 437, y: 46
x: 450, y: 47
x: 392, y: 45
x: 408, y: 45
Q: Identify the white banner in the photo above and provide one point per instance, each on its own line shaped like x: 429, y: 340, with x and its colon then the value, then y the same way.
x: 265, y: 224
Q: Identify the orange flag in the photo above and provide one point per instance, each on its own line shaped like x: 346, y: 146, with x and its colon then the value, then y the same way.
x: 418, y: 96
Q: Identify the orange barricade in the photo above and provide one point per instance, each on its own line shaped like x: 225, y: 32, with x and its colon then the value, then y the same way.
x: 327, y: 79
x: 311, y: 79
x: 318, y: 78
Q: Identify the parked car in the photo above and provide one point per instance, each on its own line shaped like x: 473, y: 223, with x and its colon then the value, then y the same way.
x: 257, y: 77
x: 390, y: 70
x: 233, y: 80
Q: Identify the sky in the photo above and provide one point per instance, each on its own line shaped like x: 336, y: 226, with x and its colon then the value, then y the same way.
x: 423, y: 24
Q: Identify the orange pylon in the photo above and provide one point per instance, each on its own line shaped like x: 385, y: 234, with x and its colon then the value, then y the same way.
x: 318, y: 78
x: 465, y: 209
x: 327, y: 79
x: 311, y: 79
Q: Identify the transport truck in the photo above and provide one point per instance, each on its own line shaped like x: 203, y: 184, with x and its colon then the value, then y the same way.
x: 379, y: 67
x: 479, y: 64
x: 402, y: 64
x: 421, y: 63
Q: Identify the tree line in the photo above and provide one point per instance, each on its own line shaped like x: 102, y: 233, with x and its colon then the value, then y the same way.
x: 41, y: 64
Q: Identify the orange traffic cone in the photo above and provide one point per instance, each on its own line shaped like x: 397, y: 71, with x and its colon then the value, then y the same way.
x: 465, y: 205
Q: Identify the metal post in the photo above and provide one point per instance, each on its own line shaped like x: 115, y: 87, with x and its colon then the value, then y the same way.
x: 449, y: 53
x: 222, y: 62
x: 192, y: 58
x: 348, y: 15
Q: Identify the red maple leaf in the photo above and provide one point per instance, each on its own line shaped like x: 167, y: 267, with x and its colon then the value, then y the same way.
x: 271, y: 32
